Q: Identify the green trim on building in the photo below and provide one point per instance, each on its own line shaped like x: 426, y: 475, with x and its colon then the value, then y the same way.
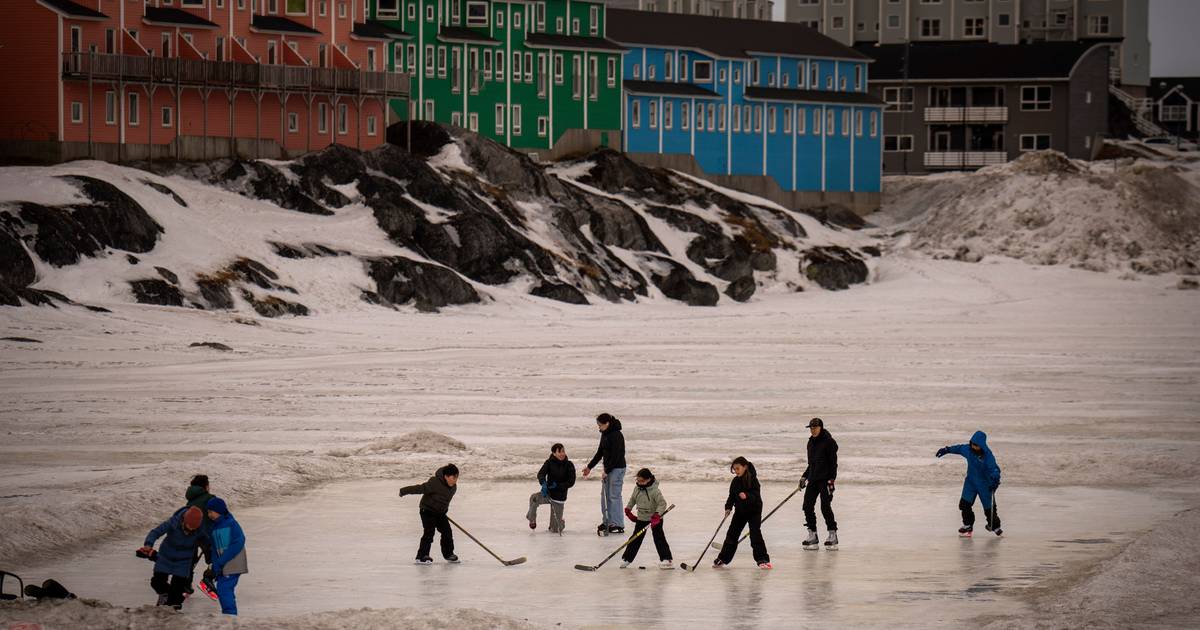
x: 477, y: 72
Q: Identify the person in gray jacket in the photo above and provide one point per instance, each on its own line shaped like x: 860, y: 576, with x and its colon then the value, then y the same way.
x: 650, y: 504
x: 436, y: 495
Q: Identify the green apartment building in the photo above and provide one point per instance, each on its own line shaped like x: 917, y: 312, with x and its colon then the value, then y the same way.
x: 536, y: 75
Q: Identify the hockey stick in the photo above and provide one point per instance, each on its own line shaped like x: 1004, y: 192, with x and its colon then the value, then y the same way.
x: 584, y: 567
x: 717, y: 545
x: 684, y: 566
x: 507, y: 563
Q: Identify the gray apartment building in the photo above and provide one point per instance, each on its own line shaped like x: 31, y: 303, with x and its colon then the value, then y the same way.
x: 964, y: 105
x: 747, y: 9
x: 1125, y: 22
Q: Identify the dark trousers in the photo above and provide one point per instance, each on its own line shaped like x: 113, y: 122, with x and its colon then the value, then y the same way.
x: 818, y: 487
x: 990, y: 512
x: 742, y: 518
x: 173, y: 586
x: 660, y: 542
x: 432, y: 521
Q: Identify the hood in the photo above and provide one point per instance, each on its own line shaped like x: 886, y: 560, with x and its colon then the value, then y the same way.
x: 614, y: 425
x: 820, y: 436
x: 194, y: 492
x: 980, y: 439
x: 217, y: 505
x: 647, y: 487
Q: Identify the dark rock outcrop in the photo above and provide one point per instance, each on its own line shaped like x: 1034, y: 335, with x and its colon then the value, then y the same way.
x: 16, y: 267
x: 21, y: 339
x: 741, y: 289
x: 679, y: 284
x: 400, y: 280
x: 213, y: 345
x: 166, y: 191
x: 273, y: 306
x: 834, y: 268
x: 836, y: 215
x: 156, y: 291
x: 561, y: 292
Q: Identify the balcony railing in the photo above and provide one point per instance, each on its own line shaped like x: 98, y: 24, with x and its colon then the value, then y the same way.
x: 277, y: 78
x: 966, y: 114
x: 964, y: 159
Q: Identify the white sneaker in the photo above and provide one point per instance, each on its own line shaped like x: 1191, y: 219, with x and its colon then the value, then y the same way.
x: 666, y: 564
x: 625, y: 564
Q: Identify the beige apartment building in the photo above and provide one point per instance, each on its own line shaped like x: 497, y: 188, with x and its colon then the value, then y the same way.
x: 747, y: 9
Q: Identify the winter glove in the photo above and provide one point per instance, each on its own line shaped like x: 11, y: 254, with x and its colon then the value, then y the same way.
x: 544, y: 488
x: 552, y: 485
x: 831, y: 487
x: 803, y: 483
x: 942, y: 451
x: 629, y: 515
x: 655, y: 519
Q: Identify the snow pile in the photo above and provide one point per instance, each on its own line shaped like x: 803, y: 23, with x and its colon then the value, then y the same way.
x: 97, y: 615
x: 415, y: 442
x: 1047, y: 209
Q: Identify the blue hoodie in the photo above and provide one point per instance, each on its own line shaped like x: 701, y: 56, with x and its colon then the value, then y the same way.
x: 983, y: 473
x: 228, y: 542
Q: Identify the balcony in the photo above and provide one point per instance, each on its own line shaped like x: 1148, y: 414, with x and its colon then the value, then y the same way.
x: 964, y: 159
x: 966, y: 114
x: 219, y: 74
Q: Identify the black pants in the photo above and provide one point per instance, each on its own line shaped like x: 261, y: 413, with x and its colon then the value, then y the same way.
x: 818, y: 487
x: 741, y: 518
x: 660, y: 542
x: 172, y: 586
x: 991, y: 513
x: 431, y: 521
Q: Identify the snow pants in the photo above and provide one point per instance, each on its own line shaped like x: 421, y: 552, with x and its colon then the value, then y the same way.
x: 818, y: 488
x: 172, y: 586
x: 225, y: 586
x: 742, y: 518
x: 435, y: 521
x: 986, y: 498
x: 538, y: 499
x: 660, y: 542
x: 612, y: 508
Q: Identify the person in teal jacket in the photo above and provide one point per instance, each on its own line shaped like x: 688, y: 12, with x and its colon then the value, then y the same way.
x: 228, y: 554
x: 983, y: 478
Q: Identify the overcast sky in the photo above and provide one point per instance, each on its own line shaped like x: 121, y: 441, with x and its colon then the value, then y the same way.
x: 1174, y: 38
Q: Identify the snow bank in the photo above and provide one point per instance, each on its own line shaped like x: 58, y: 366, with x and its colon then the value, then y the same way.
x: 415, y: 442
x: 1046, y: 209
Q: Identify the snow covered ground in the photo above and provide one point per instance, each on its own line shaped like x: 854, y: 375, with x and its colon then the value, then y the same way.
x: 1088, y: 384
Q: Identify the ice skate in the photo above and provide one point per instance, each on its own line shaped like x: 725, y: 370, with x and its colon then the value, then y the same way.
x: 811, y: 542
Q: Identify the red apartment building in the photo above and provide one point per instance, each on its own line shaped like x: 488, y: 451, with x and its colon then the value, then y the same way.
x: 193, y: 79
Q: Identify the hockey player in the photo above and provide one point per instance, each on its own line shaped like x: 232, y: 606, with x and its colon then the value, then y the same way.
x: 819, y: 479
x: 436, y: 495
x: 745, y: 499
x: 650, y: 504
x: 556, y: 476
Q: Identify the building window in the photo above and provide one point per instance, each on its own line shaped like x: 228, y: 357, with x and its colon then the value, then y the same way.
x: 499, y: 65
x: 874, y: 124
x: 516, y: 21
x: 516, y: 120
x: 322, y: 117
x: 787, y: 120
x: 637, y: 71
x: 814, y: 76
x: 667, y: 59
x: 770, y: 79
x: 388, y: 8
x: 721, y: 115
x: 429, y: 13
x: 736, y: 123
x: 771, y: 114
x: 190, y: 3
x: 529, y: 67
x: 973, y: 27
x: 893, y: 21
x: 635, y: 115
x: 699, y: 126
x: 817, y: 128
x: 455, y: 13
x: 612, y: 72
x: 543, y: 126
x: 842, y: 84
x: 76, y: 111
x: 412, y: 11
x: 845, y: 122
x: 558, y: 69
x: 411, y: 58
x: 499, y: 119
x: 441, y: 61
x: 898, y: 144
x: 830, y: 122
x: 1173, y: 113
x: 372, y: 125
x: 654, y: 114
x: 1098, y: 25
x: 370, y: 59
x: 1036, y: 98
x: 473, y: 121
x: 558, y: 25
x: 135, y: 113
x: 593, y: 78
x: 748, y: 118
x: 574, y: 26
x: 685, y: 115
x: 858, y: 74
x: 293, y: 122
x: 300, y: 7
x: 839, y: 22
x: 712, y: 117
x: 1035, y: 141
x: 430, y: 109
x: 593, y: 21
x: 801, y: 121
x: 650, y: 71
x: 722, y: 75
x: 429, y: 65
x: 342, y: 10
x: 668, y: 114
x: 858, y: 124
x: 516, y: 66
x: 1003, y: 19
x: 477, y: 14
x: 931, y: 27
x: 898, y: 99
x: 110, y: 108
x: 702, y: 71
x: 758, y: 116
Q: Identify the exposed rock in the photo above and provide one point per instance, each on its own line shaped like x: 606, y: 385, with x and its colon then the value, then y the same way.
x: 155, y: 291
x: 21, y: 339
x: 834, y: 268
x: 836, y: 214
x: 510, y: 171
x: 763, y: 261
x: 561, y: 292
x: 400, y: 280
x: 872, y: 250
x: 272, y: 306
x: 16, y: 267
x: 616, y: 224
x: 966, y: 254
x: 258, y: 274
x: 427, y: 138
x: 215, y: 292
x: 167, y: 275
x: 741, y: 289
x: 57, y: 237
x: 262, y: 181
x: 1187, y: 284
x: 305, y: 250
x: 166, y: 191
x: 679, y: 284
x: 114, y: 219
x: 210, y: 344
x: 131, y: 259
x: 371, y: 297
x: 614, y: 172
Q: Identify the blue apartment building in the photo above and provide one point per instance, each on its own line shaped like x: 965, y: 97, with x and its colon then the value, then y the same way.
x: 772, y: 108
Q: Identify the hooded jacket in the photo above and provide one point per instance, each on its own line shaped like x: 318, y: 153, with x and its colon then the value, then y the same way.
x: 435, y: 493
x: 822, y: 457
x: 178, y: 547
x: 558, y: 476
x: 197, y: 496
x: 983, y: 473
x: 612, y: 448
x: 747, y: 483
x: 648, y: 500
x: 228, y: 543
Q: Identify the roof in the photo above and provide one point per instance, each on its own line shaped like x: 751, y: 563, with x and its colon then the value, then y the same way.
x: 549, y: 40
x: 723, y: 37
x: 975, y: 61
x: 1159, y: 86
x: 72, y: 9
x: 176, y: 17
x: 667, y: 88
x: 378, y: 30
x: 462, y: 34
x: 811, y: 96
x: 276, y: 24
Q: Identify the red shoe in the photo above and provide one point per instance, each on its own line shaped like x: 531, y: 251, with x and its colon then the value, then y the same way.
x: 765, y: 565
x: 208, y: 589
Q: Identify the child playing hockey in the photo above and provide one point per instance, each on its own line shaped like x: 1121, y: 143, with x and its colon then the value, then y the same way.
x: 650, y: 504
x: 228, y: 554
x: 983, y: 478
x: 181, y: 534
x: 435, y: 504
x: 745, y: 499
x: 555, y: 476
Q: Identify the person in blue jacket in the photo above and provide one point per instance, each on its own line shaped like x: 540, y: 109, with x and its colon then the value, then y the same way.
x: 228, y: 554
x: 983, y: 478
x: 182, y: 534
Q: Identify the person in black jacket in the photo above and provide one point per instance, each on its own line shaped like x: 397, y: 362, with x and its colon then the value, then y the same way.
x: 819, y: 478
x: 745, y: 499
x: 612, y: 451
x: 555, y: 476
x: 436, y: 495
